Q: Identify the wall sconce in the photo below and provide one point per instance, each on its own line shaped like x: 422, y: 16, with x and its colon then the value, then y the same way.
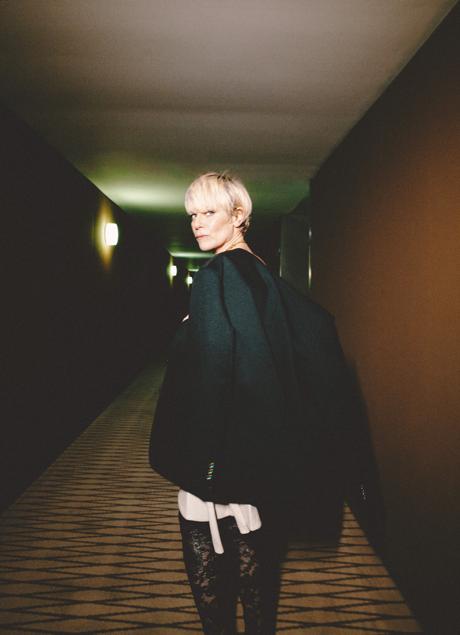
x: 105, y: 232
x: 171, y: 271
x: 111, y: 234
x: 188, y: 280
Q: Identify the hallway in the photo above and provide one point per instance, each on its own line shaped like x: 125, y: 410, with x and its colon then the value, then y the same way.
x: 93, y: 546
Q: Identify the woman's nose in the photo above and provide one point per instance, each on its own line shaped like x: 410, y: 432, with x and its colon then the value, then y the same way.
x: 196, y: 222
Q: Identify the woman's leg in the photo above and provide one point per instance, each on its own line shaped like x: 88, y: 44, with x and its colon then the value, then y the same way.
x: 247, y: 567
x: 206, y: 575
x: 247, y: 552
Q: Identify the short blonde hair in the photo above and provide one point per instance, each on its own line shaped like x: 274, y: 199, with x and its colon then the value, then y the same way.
x: 222, y: 191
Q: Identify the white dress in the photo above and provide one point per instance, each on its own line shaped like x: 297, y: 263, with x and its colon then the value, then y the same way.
x: 193, y: 508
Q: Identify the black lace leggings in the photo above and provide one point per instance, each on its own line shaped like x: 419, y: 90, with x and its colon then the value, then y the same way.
x: 217, y: 580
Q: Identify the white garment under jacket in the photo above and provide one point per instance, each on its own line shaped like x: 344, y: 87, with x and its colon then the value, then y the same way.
x: 193, y: 508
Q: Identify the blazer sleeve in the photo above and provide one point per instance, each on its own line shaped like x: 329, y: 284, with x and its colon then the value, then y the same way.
x: 211, y: 341
x: 189, y: 420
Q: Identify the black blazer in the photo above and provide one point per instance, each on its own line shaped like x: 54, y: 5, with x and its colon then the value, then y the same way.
x: 255, y: 386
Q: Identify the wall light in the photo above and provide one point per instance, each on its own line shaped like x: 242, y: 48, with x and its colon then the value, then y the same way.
x: 111, y: 234
x: 188, y: 280
x: 171, y: 271
x: 103, y: 235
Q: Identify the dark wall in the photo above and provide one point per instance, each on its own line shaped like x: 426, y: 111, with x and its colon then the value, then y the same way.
x: 386, y: 262
x: 78, y: 323
x: 263, y: 236
x: 295, y: 246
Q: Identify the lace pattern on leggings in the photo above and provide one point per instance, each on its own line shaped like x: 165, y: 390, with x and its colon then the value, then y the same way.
x: 217, y: 579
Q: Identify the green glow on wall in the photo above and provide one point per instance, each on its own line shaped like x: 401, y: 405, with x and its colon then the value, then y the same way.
x: 274, y: 189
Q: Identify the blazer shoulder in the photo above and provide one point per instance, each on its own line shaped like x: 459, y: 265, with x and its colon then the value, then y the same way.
x: 210, y: 271
x: 226, y: 262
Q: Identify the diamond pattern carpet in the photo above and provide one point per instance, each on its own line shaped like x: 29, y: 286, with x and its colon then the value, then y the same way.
x: 93, y: 546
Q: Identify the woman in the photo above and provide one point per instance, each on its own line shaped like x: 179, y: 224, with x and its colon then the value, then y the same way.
x: 244, y: 412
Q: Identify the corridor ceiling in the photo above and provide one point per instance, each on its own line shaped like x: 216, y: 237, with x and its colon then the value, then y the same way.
x: 143, y: 95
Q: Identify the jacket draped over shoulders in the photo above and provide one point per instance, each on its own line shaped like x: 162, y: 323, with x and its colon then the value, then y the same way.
x: 255, y: 386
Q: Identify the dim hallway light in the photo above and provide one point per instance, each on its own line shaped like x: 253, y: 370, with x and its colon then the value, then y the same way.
x: 111, y: 234
x: 105, y: 232
x: 171, y: 271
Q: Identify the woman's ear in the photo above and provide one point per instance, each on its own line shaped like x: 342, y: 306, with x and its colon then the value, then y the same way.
x: 238, y: 217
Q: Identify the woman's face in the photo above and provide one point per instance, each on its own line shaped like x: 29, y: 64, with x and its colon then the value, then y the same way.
x: 213, y: 229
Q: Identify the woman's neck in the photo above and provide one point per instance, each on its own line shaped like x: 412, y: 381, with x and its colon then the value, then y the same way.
x: 236, y: 241
x: 239, y: 243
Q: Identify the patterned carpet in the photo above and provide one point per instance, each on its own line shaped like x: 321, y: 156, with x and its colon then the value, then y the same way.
x: 93, y: 546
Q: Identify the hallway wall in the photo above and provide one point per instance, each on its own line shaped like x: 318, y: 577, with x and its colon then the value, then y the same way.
x: 295, y: 246
x: 76, y: 326
x: 386, y: 262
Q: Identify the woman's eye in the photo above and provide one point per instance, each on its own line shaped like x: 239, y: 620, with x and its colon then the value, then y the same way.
x: 209, y: 212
